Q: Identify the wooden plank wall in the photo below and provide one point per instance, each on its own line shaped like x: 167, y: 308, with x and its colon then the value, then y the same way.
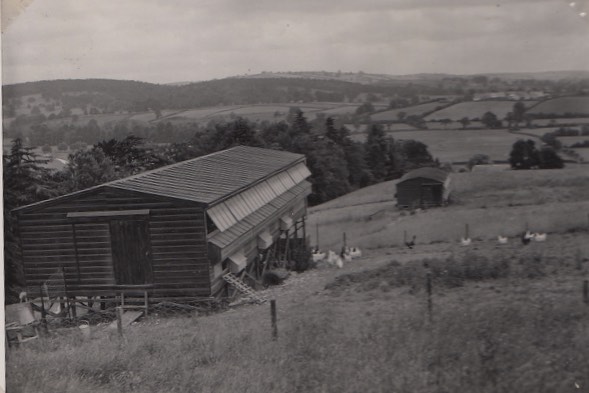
x: 177, y: 236
x: 409, y: 193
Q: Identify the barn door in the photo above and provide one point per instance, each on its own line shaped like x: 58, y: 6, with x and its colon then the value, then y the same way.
x: 131, y: 252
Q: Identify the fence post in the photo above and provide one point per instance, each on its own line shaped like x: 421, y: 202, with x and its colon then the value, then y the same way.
x: 119, y: 311
x: 466, y: 231
x: 273, y: 315
x: 428, y: 284
x: 586, y: 291
x: 345, y: 240
x: 317, y: 235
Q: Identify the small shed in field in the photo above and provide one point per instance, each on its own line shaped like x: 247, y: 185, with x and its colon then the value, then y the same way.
x: 175, y: 230
x: 423, y: 187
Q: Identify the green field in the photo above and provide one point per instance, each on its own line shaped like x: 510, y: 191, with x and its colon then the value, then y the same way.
x: 150, y: 116
x: 475, y: 109
x: 569, y: 140
x: 341, y: 109
x: 584, y: 153
x: 562, y: 106
x: 392, y: 114
x: 103, y: 120
x: 460, y: 145
x: 572, y: 120
x: 491, y: 203
x: 270, y: 112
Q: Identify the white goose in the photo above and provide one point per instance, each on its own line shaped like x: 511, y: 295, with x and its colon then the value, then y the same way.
x: 356, y: 252
x: 539, y: 237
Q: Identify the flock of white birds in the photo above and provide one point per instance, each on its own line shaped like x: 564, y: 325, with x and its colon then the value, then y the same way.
x: 526, y: 238
x: 349, y: 253
x: 333, y: 259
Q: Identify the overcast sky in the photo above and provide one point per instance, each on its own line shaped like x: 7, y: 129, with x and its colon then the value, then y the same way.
x: 191, y: 40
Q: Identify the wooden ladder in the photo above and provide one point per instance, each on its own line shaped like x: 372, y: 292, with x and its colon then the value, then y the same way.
x: 243, y: 288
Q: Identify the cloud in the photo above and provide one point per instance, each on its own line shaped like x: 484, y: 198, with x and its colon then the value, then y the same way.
x: 195, y: 40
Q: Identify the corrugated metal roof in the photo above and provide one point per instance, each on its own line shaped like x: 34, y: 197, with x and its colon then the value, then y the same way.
x: 205, y: 179
x: 223, y: 239
x: 428, y: 173
x: 210, y: 178
x: 248, y: 201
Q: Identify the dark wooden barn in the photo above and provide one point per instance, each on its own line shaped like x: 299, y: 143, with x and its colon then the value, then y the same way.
x: 175, y: 230
x: 423, y: 187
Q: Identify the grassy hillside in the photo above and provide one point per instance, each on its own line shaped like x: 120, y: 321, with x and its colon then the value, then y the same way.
x: 492, y: 204
x: 457, y: 145
x: 419, y: 110
x: 475, y: 109
x: 562, y: 106
x: 503, y: 317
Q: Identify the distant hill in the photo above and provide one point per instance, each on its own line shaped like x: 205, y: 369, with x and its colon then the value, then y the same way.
x: 108, y: 96
x: 64, y: 98
x: 361, y: 77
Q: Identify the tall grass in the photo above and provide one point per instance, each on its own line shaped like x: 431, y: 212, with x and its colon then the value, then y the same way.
x: 481, y: 340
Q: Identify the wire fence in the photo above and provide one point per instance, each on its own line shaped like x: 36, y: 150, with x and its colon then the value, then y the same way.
x: 82, y: 316
x: 50, y: 311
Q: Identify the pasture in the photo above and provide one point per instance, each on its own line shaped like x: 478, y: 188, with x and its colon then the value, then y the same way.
x: 503, y: 317
x: 574, y: 121
x: 493, y: 203
x: 459, y: 145
x: 103, y: 120
x: 561, y: 106
x: 393, y: 114
x: 569, y: 140
x: 583, y: 153
x: 475, y: 109
x: 261, y: 112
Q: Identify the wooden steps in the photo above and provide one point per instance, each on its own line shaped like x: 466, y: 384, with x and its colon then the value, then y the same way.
x: 243, y: 288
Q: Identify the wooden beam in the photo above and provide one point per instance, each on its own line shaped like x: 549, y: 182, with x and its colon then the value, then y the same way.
x: 76, y: 251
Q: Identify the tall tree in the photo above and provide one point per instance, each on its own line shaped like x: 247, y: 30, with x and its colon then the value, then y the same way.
x: 329, y: 170
x: 376, y: 149
x: 88, y: 168
x: 414, y: 155
x: 524, y: 155
x: 519, y: 110
x: 25, y: 181
x: 130, y: 156
x: 490, y: 120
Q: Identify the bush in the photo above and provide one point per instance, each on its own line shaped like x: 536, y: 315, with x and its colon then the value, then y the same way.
x: 46, y: 149
x: 62, y: 146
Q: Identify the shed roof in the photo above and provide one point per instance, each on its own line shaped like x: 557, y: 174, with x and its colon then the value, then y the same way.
x: 212, y: 177
x: 428, y: 173
x: 206, y: 179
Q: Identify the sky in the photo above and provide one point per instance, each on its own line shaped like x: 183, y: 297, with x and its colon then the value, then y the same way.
x: 193, y: 40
